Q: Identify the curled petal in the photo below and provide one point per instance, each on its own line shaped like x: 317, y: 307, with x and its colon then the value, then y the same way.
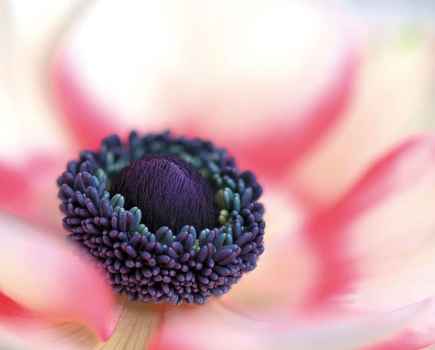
x: 49, y: 277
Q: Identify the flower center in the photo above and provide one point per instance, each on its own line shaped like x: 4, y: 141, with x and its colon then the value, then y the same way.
x: 169, y: 192
x: 170, y: 219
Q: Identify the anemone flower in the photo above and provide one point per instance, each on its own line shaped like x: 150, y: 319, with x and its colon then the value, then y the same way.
x: 348, y: 253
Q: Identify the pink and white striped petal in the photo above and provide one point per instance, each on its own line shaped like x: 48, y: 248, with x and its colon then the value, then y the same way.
x: 50, y: 278
x: 383, y: 111
x: 376, y: 242
x: 277, y: 148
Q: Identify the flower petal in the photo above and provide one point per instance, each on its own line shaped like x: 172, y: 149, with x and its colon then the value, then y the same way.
x: 279, y: 147
x: 29, y: 190
x: 391, y: 200
x: 209, y: 328
x: 221, y: 68
x: 406, y: 340
x: 134, y: 330
x: 378, y: 237
x: 33, y: 34
x: 40, y: 336
x: 286, y: 271
x: 87, y: 120
x: 10, y: 341
x: 383, y: 111
x: 48, y: 276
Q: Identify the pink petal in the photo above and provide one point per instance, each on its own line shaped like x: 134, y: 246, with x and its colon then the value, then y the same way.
x: 377, y: 239
x: 29, y: 189
x: 224, y: 70
x: 43, y: 337
x: 382, y: 112
x: 11, y: 309
x: 49, y: 277
x: 135, y: 328
x: 210, y: 328
x: 401, y: 172
x: 85, y: 118
x: 14, y: 191
x: 276, y: 149
x: 286, y: 271
x: 10, y: 341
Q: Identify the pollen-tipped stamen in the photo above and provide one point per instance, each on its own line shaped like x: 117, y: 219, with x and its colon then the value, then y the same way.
x: 113, y: 205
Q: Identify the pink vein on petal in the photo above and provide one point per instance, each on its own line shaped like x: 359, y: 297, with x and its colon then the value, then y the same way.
x: 282, y: 146
x: 86, y: 118
x: 328, y: 231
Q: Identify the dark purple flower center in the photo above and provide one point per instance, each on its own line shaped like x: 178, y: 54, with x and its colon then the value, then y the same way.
x: 169, y: 192
x: 170, y: 219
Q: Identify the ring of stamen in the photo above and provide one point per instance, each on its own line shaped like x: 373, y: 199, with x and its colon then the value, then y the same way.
x: 168, y: 264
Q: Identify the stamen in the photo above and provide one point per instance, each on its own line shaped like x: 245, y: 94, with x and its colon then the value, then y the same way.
x: 169, y: 219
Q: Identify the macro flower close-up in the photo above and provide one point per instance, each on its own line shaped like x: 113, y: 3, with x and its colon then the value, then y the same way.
x: 205, y: 175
